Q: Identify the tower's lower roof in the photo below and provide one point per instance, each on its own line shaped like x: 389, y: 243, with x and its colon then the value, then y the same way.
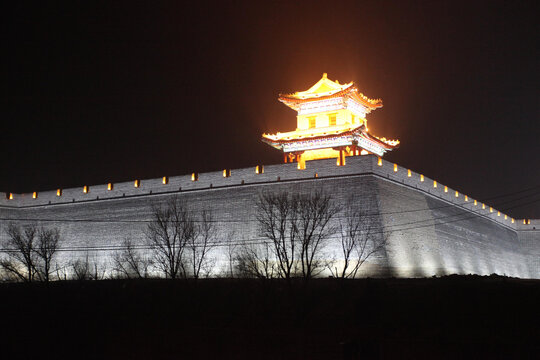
x: 330, y: 137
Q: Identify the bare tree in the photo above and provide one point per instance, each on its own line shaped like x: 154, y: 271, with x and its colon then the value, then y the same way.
x: 274, y: 215
x: 255, y: 260
x: 87, y: 269
x: 30, y: 251
x: 361, y: 237
x: 171, y: 228
x: 200, y: 244
x: 47, y: 246
x: 129, y: 261
x: 231, y: 249
x: 298, y: 227
x: 313, y: 224
x: 81, y: 269
x: 20, y: 252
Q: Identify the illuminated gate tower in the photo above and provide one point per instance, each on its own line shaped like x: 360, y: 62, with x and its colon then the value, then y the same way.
x: 331, y: 124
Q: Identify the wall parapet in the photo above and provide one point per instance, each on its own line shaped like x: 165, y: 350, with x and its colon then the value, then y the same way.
x: 368, y: 164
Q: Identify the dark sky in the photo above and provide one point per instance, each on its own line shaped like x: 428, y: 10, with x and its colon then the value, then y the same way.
x: 100, y: 92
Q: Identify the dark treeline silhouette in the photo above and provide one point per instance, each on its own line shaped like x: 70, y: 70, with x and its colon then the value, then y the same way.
x: 454, y: 317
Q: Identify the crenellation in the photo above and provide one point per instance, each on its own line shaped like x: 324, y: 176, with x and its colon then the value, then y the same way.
x: 428, y: 185
x: 321, y: 169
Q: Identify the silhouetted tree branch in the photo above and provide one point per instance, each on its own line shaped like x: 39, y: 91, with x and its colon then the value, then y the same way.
x: 255, y: 260
x: 274, y: 214
x: 231, y: 249
x: 200, y: 244
x: 86, y: 269
x: 19, y: 248
x: 47, y: 246
x: 361, y: 237
x: 312, y: 223
x: 172, y: 227
x: 129, y: 261
x: 298, y: 227
x: 30, y: 251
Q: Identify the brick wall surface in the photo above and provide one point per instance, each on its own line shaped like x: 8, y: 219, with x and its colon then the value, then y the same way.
x: 430, y: 231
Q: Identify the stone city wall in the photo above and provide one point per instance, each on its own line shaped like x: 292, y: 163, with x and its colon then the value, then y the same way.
x: 433, y: 230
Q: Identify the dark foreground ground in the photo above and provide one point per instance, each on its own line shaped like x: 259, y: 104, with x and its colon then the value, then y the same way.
x: 444, y: 318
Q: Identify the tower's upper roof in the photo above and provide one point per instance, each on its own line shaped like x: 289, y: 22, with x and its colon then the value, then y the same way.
x: 325, y: 89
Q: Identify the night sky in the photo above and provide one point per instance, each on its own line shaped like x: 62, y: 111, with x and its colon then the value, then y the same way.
x: 101, y: 92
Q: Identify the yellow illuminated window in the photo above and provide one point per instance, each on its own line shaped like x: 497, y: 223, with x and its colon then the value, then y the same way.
x: 332, y: 119
x: 137, y: 183
x: 259, y: 169
x: 316, y: 175
x: 409, y: 173
x: 524, y: 222
x: 505, y: 217
x: 528, y: 221
x: 59, y: 192
x: 512, y: 220
x: 194, y: 176
x: 490, y: 209
x: 475, y: 202
x: 379, y: 162
x: 226, y: 172
x: 466, y: 198
x: 434, y: 183
x: 483, y: 206
x: 9, y: 196
x: 446, y: 189
x: 498, y: 213
x: 457, y: 194
x: 312, y: 122
x: 421, y: 177
x: 86, y: 189
x: 165, y: 180
x: 110, y: 186
x: 395, y: 167
x: 34, y: 195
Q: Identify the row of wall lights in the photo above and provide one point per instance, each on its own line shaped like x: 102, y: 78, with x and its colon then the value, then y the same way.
x: 409, y: 174
x: 259, y: 169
